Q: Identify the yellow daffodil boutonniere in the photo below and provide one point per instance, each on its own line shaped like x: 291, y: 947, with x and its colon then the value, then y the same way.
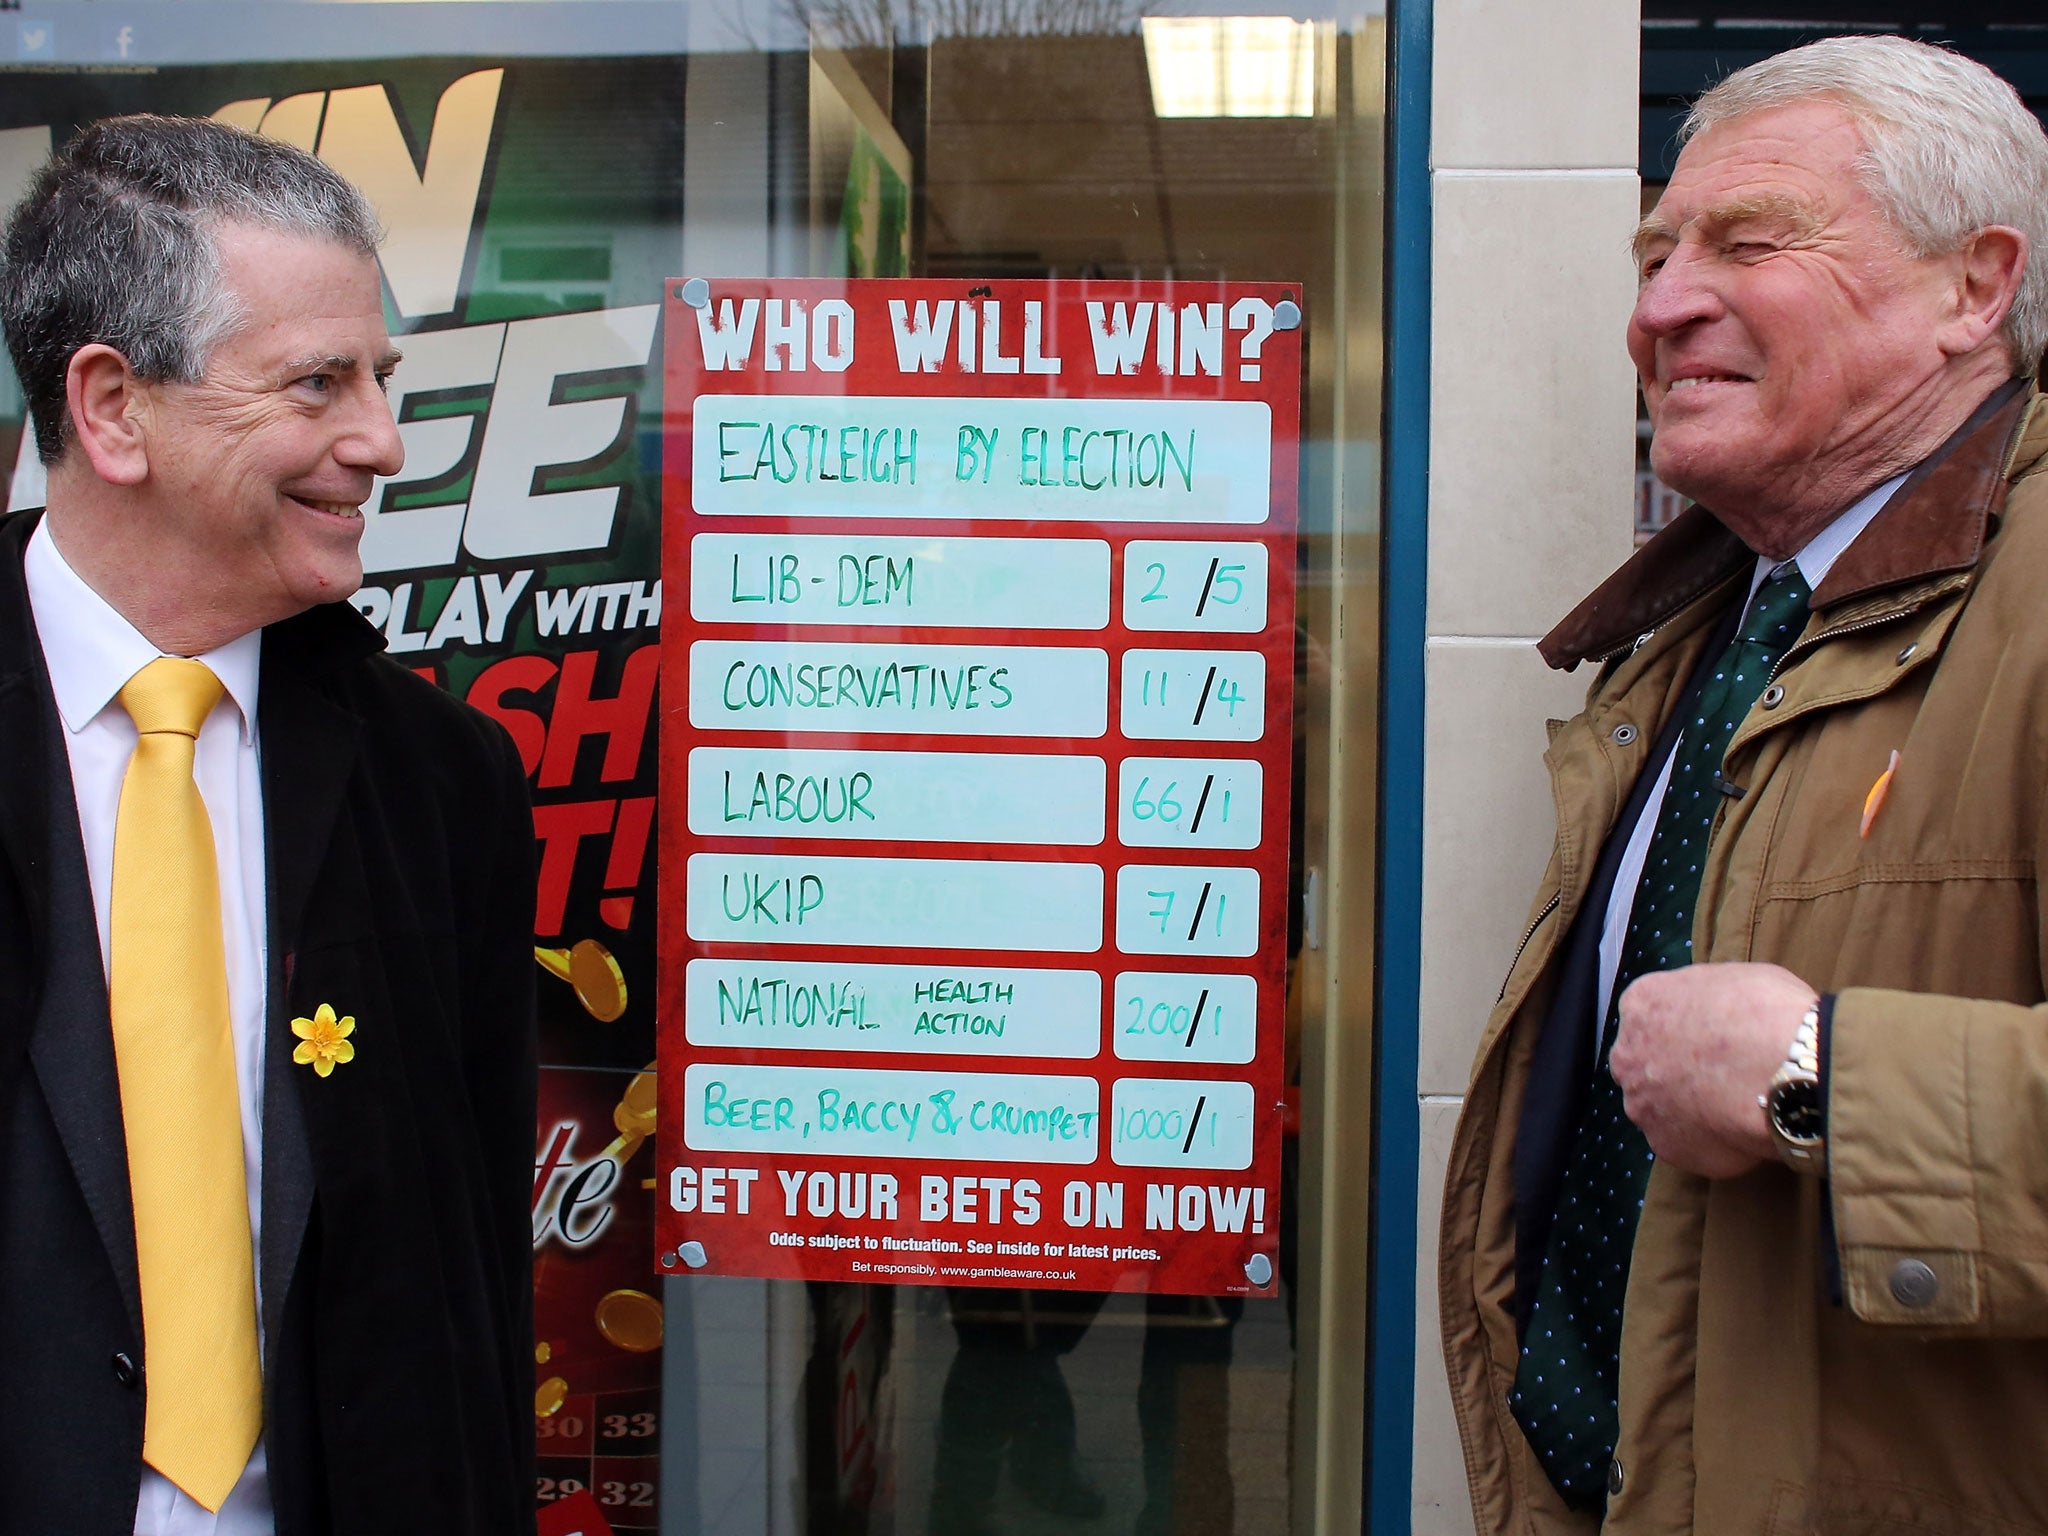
x: 324, y: 1040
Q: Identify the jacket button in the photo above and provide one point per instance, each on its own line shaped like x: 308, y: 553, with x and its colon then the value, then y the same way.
x: 1773, y: 696
x: 1624, y: 734
x: 125, y: 1371
x: 1614, y: 1478
x: 1913, y: 1283
x: 1907, y: 654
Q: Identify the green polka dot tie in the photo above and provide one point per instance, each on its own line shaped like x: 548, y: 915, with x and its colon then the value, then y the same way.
x: 1565, y: 1394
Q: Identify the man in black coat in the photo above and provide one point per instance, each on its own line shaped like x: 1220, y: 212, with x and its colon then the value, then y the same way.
x: 196, y: 319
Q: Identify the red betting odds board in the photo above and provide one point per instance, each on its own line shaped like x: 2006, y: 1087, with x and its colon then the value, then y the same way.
x: 976, y: 728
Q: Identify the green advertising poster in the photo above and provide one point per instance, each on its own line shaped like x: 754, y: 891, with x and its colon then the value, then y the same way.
x: 532, y: 208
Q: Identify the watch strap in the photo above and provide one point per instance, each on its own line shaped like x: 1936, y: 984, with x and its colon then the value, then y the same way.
x: 1794, y: 1105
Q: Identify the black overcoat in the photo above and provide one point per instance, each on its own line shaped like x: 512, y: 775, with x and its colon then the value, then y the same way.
x: 396, y: 1245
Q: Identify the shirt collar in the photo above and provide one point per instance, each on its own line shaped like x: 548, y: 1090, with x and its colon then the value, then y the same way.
x: 92, y: 651
x: 1827, y: 546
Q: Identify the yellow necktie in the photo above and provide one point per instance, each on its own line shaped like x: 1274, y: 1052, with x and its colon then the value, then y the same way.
x: 168, y: 994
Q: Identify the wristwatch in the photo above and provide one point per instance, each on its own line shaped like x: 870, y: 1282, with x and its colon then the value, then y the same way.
x: 1792, y: 1103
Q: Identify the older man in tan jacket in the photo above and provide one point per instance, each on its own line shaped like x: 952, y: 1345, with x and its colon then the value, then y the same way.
x: 1746, y: 1227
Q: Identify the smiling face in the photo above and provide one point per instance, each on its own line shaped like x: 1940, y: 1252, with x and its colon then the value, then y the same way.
x: 258, y: 472
x: 1789, y: 347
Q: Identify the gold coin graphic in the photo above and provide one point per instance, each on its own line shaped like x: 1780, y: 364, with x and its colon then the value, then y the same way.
x: 552, y: 1394
x: 631, y: 1320
x: 590, y: 968
x: 635, y: 1114
x: 541, y: 1352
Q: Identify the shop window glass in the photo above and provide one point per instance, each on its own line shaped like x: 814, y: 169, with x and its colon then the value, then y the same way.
x: 549, y: 173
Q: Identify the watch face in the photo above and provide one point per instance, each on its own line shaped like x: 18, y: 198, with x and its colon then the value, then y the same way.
x: 1795, y: 1109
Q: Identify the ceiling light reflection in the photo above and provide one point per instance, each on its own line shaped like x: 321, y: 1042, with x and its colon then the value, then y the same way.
x: 1230, y: 66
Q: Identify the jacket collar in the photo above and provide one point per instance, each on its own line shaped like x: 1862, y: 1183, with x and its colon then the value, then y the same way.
x: 320, y: 640
x: 1936, y: 523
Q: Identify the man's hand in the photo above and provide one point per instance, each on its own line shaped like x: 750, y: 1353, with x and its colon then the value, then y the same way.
x: 1696, y: 1048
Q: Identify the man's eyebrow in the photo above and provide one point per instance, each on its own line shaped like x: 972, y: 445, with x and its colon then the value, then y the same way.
x: 1653, y: 227
x: 338, y: 362
x: 1723, y: 216
x: 318, y: 362
x: 1763, y: 205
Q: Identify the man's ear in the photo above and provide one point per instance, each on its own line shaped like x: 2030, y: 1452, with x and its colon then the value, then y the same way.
x: 109, y: 413
x: 1987, y: 273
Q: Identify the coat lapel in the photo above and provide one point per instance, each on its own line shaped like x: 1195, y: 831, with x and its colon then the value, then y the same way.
x: 73, y: 1049
x: 24, y: 706
x: 310, y: 747
x: 310, y: 744
x: 68, y: 1038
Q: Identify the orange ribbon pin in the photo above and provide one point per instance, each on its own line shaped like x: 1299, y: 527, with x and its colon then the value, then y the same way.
x: 1874, y: 801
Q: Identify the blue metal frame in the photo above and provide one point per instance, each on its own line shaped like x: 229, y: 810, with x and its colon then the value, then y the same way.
x: 1404, y: 570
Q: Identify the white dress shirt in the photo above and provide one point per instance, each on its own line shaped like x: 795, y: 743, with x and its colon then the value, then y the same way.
x: 91, y: 652
x: 1814, y: 562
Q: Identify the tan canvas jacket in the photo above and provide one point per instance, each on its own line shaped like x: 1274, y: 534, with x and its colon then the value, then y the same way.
x: 1751, y: 1402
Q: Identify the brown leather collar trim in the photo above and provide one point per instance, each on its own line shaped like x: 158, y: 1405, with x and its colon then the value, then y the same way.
x: 1936, y: 522
x: 1690, y: 557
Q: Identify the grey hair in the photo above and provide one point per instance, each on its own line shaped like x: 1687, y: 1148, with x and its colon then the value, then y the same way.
x: 115, y: 243
x: 1949, y: 149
